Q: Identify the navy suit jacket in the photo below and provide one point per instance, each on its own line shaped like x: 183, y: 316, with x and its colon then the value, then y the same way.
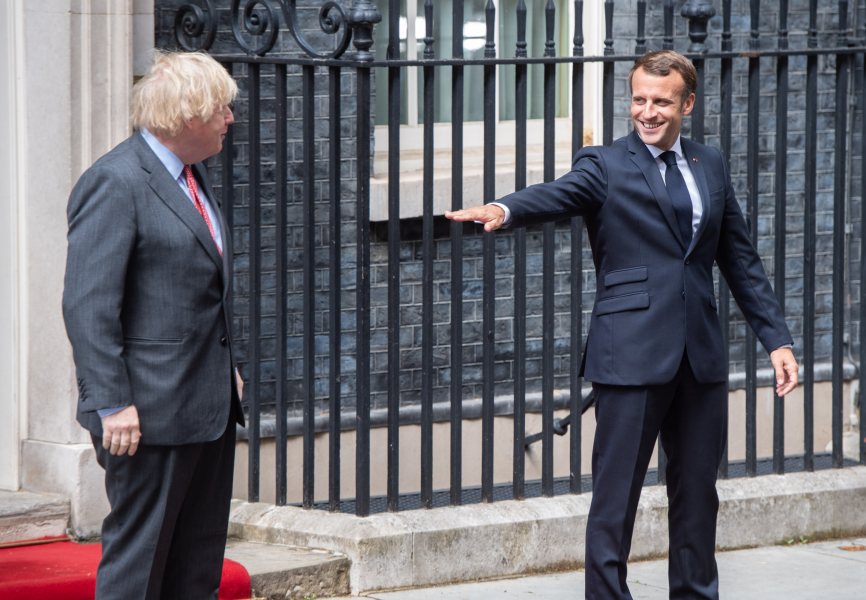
x: 655, y: 299
x: 145, y: 300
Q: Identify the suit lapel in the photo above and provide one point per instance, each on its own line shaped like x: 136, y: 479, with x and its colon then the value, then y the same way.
x: 168, y: 190
x: 691, y: 154
x: 647, y: 164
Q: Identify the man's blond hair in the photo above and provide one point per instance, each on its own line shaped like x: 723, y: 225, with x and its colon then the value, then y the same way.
x: 178, y: 87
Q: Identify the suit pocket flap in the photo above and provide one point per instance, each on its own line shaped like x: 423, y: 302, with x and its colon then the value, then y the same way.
x: 635, y: 301
x: 629, y: 275
x: 151, y: 340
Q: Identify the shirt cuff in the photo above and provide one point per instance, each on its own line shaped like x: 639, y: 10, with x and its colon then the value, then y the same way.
x: 507, y: 219
x: 107, y: 412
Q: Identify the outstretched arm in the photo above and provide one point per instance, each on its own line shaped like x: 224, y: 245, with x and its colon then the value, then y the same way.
x: 489, y: 215
x: 579, y: 192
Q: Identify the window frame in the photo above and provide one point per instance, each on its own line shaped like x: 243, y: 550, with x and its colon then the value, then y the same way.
x: 412, y: 132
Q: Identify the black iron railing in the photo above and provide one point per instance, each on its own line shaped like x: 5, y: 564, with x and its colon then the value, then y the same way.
x: 353, y: 346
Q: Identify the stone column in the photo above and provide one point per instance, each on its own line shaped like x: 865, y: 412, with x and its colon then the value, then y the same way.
x: 75, y: 73
x: 9, y: 197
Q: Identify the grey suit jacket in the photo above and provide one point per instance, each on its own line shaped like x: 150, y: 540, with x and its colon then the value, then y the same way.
x: 145, y: 300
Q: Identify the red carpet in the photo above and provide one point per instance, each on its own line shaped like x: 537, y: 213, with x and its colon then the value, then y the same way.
x: 68, y: 570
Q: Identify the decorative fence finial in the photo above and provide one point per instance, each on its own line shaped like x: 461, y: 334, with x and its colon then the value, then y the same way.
x: 640, y: 45
x: 363, y: 16
x: 428, y: 30
x: 520, y: 51
x: 490, y: 21
x: 698, y: 12
x: 550, y: 21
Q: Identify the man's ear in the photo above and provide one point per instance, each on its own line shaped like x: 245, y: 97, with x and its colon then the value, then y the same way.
x: 689, y: 104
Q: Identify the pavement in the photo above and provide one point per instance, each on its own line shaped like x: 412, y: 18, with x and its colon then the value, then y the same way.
x: 796, y: 571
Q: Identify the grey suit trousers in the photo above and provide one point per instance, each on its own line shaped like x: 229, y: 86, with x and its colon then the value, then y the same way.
x: 168, y: 521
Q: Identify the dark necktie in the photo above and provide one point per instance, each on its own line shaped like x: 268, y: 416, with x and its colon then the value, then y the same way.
x: 196, y: 199
x: 679, y: 195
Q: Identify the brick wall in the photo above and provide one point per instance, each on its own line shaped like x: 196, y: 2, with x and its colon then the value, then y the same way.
x: 411, y: 252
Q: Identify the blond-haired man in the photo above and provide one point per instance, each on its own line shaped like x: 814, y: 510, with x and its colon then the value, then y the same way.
x: 145, y: 304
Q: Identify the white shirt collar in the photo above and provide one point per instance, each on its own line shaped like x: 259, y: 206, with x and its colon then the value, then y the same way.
x: 677, y: 148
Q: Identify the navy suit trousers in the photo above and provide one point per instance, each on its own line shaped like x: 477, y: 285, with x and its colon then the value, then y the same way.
x: 690, y: 419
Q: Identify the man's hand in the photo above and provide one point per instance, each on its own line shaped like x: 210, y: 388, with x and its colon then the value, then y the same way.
x: 785, y: 366
x: 120, y: 432
x: 489, y: 215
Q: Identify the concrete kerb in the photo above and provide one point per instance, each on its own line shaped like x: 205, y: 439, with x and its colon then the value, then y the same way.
x: 421, y: 547
x: 772, y: 509
x: 486, y: 541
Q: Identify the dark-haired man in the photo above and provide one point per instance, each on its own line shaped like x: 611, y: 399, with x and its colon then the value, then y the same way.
x: 659, y: 210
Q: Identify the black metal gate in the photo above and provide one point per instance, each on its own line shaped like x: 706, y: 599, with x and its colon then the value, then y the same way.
x: 322, y: 302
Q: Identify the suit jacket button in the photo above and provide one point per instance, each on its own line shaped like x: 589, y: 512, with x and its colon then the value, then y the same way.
x: 683, y: 294
x: 223, y: 341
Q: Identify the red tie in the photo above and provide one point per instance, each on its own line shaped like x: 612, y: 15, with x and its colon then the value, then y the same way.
x: 193, y: 191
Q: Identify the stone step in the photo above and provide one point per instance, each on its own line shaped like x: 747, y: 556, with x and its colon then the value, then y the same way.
x: 25, y: 516
x: 289, y: 572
